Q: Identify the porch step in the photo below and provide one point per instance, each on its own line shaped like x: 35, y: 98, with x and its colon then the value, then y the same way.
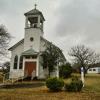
x: 28, y: 79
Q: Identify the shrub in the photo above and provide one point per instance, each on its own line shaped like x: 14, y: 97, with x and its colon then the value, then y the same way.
x: 54, y: 84
x: 65, y: 70
x: 75, y: 85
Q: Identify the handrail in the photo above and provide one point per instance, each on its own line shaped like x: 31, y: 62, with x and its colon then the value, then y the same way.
x: 5, y: 79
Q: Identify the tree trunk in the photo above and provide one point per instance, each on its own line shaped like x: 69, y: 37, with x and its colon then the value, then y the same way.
x: 84, y: 74
x: 49, y: 71
x: 84, y: 71
x: 49, y: 74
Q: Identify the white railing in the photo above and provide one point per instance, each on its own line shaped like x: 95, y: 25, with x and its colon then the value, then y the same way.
x: 7, y: 80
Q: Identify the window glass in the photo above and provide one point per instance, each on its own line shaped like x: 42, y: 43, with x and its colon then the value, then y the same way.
x: 21, y: 63
x: 31, y: 39
x: 15, y: 62
x: 94, y: 69
x: 90, y: 69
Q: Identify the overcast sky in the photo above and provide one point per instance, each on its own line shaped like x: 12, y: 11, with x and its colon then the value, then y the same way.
x: 68, y: 22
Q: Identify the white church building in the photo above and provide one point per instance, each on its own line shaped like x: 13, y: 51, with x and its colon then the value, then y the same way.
x: 26, y: 54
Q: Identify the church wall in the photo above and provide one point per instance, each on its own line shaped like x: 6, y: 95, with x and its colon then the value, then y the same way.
x: 42, y: 45
x: 35, y: 44
x: 45, y: 71
x: 16, y: 51
x: 41, y: 70
x: 55, y: 73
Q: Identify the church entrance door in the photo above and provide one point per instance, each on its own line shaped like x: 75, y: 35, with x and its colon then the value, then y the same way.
x: 30, y: 69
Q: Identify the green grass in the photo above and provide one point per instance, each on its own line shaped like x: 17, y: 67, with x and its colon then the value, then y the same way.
x: 91, y: 91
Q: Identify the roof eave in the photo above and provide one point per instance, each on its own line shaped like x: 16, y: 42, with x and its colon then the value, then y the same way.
x: 26, y: 54
x: 26, y: 14
x: 11, y: 48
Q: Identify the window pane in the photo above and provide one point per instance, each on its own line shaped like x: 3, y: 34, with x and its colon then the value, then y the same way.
x: 21, y: 63
x: 94, y: 69
x: 15, y: 62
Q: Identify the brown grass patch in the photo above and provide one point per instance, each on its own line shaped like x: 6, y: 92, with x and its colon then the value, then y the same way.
x: 42, y: 93
x: 90, y: 92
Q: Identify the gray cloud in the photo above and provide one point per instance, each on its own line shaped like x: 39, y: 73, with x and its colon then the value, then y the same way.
x: 68, y: 22
x: 78, y: 16
x: 79, y: 20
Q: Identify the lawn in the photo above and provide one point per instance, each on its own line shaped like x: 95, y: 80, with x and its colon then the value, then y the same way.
x: 92, y: 83
x: 38, y: 91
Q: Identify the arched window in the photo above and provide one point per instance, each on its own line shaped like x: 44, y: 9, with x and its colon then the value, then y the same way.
x: 15, y: 62
x: 21, y: 62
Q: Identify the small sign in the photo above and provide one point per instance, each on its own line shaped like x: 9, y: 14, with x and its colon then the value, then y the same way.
x: 82, y: 70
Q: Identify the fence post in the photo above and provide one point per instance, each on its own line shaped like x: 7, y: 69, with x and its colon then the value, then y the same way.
x: 4, y: 79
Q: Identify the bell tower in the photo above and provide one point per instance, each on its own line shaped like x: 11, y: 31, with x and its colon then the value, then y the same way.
x: 33, y: 29
x: 34, y: 19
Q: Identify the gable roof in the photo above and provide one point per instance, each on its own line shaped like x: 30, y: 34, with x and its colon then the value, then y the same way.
x: 21, y: 41
x: 49, y: 42
x: 17, y: 44
x: 60, y: 51
x: 29, y: 52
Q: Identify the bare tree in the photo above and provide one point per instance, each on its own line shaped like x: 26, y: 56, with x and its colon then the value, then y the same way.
x: 84, y: 56
x: 4, y: 40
